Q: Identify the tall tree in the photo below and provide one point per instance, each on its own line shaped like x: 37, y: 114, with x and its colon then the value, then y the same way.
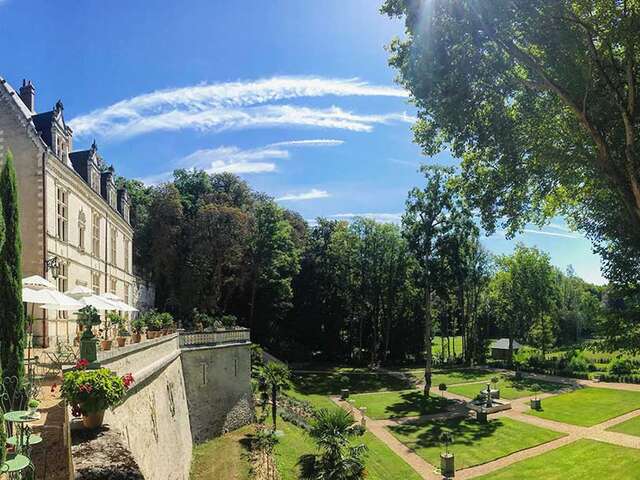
x: 540, y: 99
x: 12, y: 319
x: 273, y: 262
x: 425, y: 218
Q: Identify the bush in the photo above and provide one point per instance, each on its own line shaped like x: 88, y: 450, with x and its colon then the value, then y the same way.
x: 165, y: 320
x: 621, y: 366
x: 579, y: 363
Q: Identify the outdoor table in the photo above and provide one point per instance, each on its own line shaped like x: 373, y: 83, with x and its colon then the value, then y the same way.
x: 15, y: 464
x: 20, y: 418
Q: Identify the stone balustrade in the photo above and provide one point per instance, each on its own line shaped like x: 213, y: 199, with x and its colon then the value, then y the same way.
x: 218, y: 337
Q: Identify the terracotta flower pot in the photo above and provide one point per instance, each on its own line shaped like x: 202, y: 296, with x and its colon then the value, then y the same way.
x: 105, y: 344
x: 121, y: 341
x: 135, y: 338
x: 93, y: 419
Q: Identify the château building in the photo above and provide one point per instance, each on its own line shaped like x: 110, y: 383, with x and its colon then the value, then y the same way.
x: 75, y: 222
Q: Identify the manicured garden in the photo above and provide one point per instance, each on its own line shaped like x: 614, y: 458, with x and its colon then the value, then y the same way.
x: 474, y: 443
x: 454, y: 376
x: 630, y: 427
x: 583, y: 459
x: 588, y: 406
x: 381, y: 462
x: 509, y: 387
x: 406, y: 403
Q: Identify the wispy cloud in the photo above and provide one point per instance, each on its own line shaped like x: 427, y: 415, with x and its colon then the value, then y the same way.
x: 378, y: 217
x: 237, y: 160
x: 320, y: 142
x: 312, y: 194
x: 531, y: 231
x: 551, y: 234
x: 407, y: 163
x: 236, y: 105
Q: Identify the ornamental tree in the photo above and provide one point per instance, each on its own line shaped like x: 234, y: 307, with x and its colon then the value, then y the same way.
x: 12, y: 319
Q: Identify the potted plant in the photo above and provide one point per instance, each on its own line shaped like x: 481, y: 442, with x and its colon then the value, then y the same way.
x: 344, y: 391
x: 91, y: 392
x: 447, y: 461
x: 495, y: 392
x: 106, y: 342
x: 33, y: 407
x: 87, y: 318
x: 165, y: 321
x: 443, y: 388
x: 150, y: 321
x: 536, y: 403
x: 137, y: 326
x: 120, y: 323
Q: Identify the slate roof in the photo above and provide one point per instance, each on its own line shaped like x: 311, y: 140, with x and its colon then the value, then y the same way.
x: 503, y: 344
x: 42, y: 122
x: 79, y: 162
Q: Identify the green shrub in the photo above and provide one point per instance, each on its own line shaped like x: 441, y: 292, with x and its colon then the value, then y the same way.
x: 579, y: 363
x: 620, y: 366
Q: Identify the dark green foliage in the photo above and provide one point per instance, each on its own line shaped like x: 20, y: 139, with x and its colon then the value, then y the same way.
x: 338, y: 459
x: 12, y: 318
x: 621, y: 366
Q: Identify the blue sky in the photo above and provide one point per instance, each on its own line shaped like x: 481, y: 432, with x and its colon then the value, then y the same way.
x: 295, y: 96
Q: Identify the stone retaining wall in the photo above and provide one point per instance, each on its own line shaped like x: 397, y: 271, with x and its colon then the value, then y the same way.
x: 180, y: 396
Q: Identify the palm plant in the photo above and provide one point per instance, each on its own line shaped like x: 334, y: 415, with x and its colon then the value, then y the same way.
x: 339, y: 460
x: 275, y: 377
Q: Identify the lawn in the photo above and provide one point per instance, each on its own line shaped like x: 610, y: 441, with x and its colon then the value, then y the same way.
x: 474, y: 443
x: 510, y: 388
x: 316, y: 387
x: 455, y: 375
x: 381, y: 462
x: 407, y: 403
x: 588, y: 406
x: 223, y: 458
x: 439, y: 343
x: 630, y: 427
x: 576, y: 461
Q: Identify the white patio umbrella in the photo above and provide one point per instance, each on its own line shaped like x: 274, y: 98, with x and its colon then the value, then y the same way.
x: 117, y: 301
x: 40, y: 291
x: 36, y: 282
x: 79, y: 290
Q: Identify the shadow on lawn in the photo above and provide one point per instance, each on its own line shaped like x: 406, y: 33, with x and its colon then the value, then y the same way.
x: 527, y: 383
x: 464, y: 431
x: 415, y: 401
x: 331, y: 383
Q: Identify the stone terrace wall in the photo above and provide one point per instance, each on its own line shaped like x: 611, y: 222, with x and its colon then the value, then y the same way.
x: 154, y: 420
x: 218, y: 386
x: 184, y: 392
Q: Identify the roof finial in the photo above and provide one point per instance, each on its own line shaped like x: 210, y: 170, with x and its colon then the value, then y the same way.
x: 94, y: 146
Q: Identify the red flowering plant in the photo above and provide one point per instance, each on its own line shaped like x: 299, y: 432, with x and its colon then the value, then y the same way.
x: 91, y: 391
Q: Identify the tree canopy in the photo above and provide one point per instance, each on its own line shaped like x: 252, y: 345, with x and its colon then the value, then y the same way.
x: 539, y: 99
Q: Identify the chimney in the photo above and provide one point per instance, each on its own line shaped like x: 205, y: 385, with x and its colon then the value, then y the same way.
x: 28, y: 95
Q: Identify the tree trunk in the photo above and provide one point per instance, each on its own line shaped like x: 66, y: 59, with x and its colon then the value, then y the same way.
x: 427, y: 341
x: 274, y: 399
x: 510, y: 350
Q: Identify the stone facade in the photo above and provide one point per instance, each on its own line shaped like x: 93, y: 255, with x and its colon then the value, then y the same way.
x: 70, y: 209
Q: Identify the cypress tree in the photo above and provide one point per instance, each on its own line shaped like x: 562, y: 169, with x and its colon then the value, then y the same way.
x: 12, y: 321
